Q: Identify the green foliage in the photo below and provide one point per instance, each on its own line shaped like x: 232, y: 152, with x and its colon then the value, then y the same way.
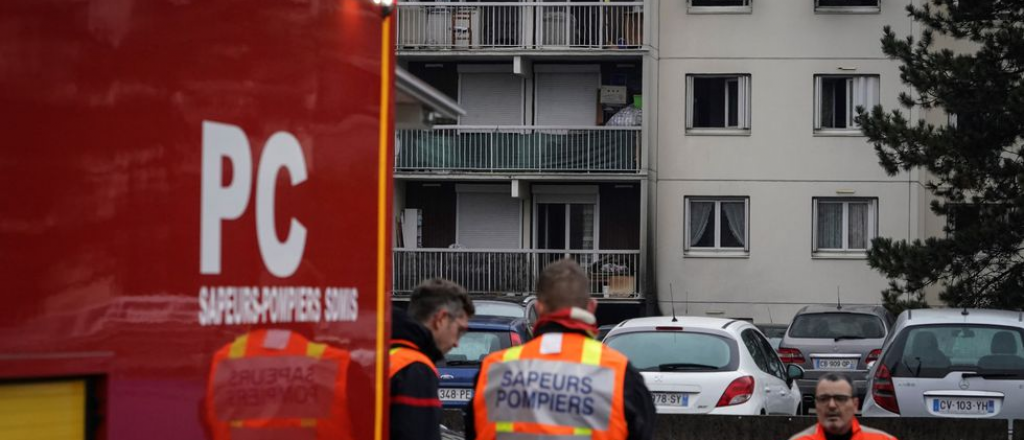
x: 975, y: 167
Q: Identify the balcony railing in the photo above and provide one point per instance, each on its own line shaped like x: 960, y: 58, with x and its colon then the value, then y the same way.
x: 520, y: 25
x: 519, y: 149
x: 611, y: 274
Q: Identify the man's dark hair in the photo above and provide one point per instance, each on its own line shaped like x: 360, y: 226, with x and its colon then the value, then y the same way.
x: 836, y: 377
x: 432, y: 295
x: 563, y: 284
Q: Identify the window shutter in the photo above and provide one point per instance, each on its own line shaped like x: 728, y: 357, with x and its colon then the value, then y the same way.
x: 566, y: 98
x: 491, y: 98
x: 488, y: 220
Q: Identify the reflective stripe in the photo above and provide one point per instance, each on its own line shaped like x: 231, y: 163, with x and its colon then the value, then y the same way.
x: 582, y: 431
x: 315, y: 350
x: 591, y: 352
x: 531, y: 436
x: 238, y: 347
x: 503, y: 427
x: 513, y: 353
x: 236, y: 423
x: 307, y: 423
x: 394, y: 350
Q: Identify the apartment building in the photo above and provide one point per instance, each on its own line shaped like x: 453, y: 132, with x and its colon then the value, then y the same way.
x: 550, y: 159
x: 764, y: 195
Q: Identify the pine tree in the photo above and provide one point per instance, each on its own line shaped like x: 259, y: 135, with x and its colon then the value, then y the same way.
x: 974, y: 164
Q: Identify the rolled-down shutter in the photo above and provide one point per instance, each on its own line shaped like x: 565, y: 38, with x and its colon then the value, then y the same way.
x: 491, y: 98
x: 489, y: 220
x: 566, y: 98
x: 50, y: 411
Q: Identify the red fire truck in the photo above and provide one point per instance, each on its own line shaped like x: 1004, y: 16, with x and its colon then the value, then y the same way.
x: 178, y: 173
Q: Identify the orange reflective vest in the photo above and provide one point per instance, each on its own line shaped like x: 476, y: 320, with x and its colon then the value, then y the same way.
x: 401, y: 357
x: 860, y: 432
x: 271, y: 384
x: 560, y: 385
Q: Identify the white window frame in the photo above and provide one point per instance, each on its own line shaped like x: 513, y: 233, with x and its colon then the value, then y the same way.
x: 852, y: 128
x: 845, y: 250
x: 848, y: 9
x: 742, y: 105
x: 717, y: 250
x: 746, y: 8
x: 567, y: 195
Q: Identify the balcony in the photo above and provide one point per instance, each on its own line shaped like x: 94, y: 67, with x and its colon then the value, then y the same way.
x: 442, y: 26
x: 519, y: 149
x: 611, y: 274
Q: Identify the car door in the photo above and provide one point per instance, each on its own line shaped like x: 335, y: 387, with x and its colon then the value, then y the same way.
x: 788, y: 392
x: 764, y: 379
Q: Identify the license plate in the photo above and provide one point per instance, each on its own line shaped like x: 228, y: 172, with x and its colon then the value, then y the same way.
x: 455, y: 394
x: 835, y: 364
x: 671, y: 399
x: 962, y: 405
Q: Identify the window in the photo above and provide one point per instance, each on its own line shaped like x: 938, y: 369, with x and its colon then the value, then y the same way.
x: 847, y: 6
x: 719, y: 6
x: 844, y: 225
x: 677, y: 351
x: 717, y: 224
x: 718, y: 102
x: 837, y: 98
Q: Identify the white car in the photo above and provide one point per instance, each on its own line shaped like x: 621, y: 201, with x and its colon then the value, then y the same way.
x: 700, y: 365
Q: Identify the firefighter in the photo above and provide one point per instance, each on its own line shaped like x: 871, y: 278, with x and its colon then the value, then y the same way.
x: 563, y: 383
x: 437, y: 316
x: 836, y: 407
x: 273, y: 383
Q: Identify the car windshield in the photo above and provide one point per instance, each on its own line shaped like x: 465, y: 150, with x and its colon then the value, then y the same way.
x: 676, y: 351
x: 935, y: 350
x: 499, y: 309
x: 474, y: 346
x: 837, y: 326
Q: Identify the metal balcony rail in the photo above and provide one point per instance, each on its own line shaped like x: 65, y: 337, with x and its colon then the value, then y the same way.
x: 611, y: 274
x: 519, y: 149
x: 520, y: 25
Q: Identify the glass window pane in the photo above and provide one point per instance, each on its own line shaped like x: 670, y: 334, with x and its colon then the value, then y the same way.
x: 830, y: 225
x: 708, y: 102
x: 551, y: 226
x: 702, y: 224
x: 833, y: 325
x: 581, y: 226
x: 858, y: 225
x: 833, y: 102
x: 734, y: 100
x: 932, y: 351
x: 647, y: 350
x: 476, y: 345
x: 733, y: 224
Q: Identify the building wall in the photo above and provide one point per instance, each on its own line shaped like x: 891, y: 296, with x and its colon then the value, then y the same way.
x: 780, y: 165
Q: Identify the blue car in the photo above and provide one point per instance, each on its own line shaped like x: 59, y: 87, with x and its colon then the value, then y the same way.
x: 486, y: 335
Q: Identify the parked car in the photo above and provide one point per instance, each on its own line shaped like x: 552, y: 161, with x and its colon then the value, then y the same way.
x: 700, y: 365
x: 951, y: 363
x: 486, y: 335
x: 774, y: 333
x: 825, y: 339
x: 487, y: 307
x: 603, y: 330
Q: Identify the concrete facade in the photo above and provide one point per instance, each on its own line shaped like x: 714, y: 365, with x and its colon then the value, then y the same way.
x: 780, y: 164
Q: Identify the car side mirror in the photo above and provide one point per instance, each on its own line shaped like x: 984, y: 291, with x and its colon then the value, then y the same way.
x: 795, y: 372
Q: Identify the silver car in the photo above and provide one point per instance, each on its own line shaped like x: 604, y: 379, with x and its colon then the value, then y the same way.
x: 827, y: 339
x: 951, y: 363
